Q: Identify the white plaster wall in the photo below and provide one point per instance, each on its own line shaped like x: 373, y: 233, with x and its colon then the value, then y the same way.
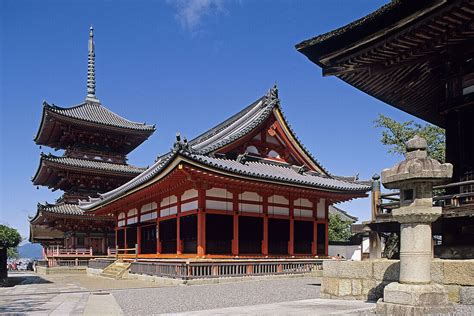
x: 321, y: 209
x: 218, y: 205
x: 219, y: 192
x: 350, y: 252
x: 189, y: 194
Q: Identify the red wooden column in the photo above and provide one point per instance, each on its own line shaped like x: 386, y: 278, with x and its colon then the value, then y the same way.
x: 201, y: 222
x: 235, y: 209
x: 139, y: 232
x: 326, y: 218
x: 291, y: 243
x: 139, y: 239
x: 265, y: 225
x: 179, y: 244
x: 314, y: 244
x: 158, y: 241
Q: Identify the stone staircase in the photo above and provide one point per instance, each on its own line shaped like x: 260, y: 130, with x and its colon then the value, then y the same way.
x: 116, y: 270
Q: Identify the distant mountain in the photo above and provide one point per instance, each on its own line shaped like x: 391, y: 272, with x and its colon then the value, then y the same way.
x: 29, y: 250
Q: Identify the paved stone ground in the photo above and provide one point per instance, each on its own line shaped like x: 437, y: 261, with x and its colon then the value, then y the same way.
x: 85, y: 295
x: 202, y: 297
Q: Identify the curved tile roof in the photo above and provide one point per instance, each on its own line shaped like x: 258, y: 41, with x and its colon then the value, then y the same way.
x: 254, y: 169
x: 88, y: 164
x: 270, y: 171
x: 98, y: 114
x: 65, y: 209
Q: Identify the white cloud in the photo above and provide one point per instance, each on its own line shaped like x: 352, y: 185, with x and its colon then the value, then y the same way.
x: 191, y: 12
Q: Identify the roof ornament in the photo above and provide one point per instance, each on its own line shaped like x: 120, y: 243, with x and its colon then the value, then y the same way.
x: 182, y: 144
x: 91, y: 69
x: 242, y: 158
x: 273, y: 93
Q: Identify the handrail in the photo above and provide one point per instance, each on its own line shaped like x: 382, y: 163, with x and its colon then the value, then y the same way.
x: 454, y: 184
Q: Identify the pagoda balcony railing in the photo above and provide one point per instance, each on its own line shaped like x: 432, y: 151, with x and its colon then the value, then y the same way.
x: 461, y: 199
x: 59, y: 251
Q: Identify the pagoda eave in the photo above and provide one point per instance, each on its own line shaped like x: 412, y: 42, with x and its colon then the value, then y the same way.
x: 55, y: 128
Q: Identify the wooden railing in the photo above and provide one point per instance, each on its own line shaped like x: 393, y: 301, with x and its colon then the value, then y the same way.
x: 386, y: 202
x: 63, y: 263
x: 127, y: 251
x: 59, y: 251
x: 188, y: 270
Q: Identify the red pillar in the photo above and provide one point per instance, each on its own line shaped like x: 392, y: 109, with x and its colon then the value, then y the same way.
x: 291, y: 243
x: 179, y: 244
x: 235, y: 237
x: 201, y: 229
x: 235, y: 240
x: 139, y: 239
x: 265, y: 226
x: 265, y: 236
x: 315, y: 239
x: 158, y: 242
x: 327, y: 239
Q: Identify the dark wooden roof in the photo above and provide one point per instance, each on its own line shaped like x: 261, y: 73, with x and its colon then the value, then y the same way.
x: 89, y: 116
x: 400, y: 53
x: 84, y: 166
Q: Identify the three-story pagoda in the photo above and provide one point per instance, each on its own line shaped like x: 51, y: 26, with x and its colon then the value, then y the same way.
x: 96, y: 142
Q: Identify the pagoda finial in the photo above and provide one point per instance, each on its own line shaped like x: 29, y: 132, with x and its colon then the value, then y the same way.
x: 91, y: 68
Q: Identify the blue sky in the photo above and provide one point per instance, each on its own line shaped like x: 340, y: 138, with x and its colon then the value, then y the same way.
x: 184, y: 66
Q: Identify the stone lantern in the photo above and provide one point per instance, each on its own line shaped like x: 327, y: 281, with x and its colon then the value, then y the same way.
x: 415, y: 177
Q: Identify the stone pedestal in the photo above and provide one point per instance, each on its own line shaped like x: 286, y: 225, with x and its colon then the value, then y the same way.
x: 415, y: 177
x: 414, y: 299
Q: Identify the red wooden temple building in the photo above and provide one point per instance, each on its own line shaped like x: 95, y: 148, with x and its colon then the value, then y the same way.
x: 95, y: 144
x: 246, y: 188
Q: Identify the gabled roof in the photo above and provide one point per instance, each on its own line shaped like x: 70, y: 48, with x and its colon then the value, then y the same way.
x: 244, y: 123
x: 199, y: 152
x: 85, y: 164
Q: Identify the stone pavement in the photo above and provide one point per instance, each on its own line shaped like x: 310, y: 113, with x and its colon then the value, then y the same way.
x: 86, y: 295
x: 61, y: 295
x: 304, y: 307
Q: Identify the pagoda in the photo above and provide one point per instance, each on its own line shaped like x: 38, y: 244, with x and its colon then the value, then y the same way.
x: 95, y: 142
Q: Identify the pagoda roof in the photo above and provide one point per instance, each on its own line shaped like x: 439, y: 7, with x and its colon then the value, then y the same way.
x: 86, y: 165
x: 92, y: 114
x: 63, y: 210
x: 401, y: 53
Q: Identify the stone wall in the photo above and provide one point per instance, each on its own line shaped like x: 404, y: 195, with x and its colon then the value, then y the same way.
x: 365, y: 280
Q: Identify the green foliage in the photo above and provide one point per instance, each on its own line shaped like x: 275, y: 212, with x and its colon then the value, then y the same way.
x: 9, y: 237
x: 12, y: 253
x: 339, y: 230
x: 395, y: 134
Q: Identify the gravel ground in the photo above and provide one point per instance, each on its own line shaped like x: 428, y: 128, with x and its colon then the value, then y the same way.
x: 200, y: 297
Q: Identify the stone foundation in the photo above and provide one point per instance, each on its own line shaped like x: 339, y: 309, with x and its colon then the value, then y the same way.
x: 60, y: 270
x: 366, y: 280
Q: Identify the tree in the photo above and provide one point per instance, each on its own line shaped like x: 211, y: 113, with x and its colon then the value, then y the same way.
x: 9, y: 238
x: 395, y: 134
x: 339, y: 230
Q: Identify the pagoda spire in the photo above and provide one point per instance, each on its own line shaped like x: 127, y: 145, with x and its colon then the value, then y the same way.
x: 91, y: 68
